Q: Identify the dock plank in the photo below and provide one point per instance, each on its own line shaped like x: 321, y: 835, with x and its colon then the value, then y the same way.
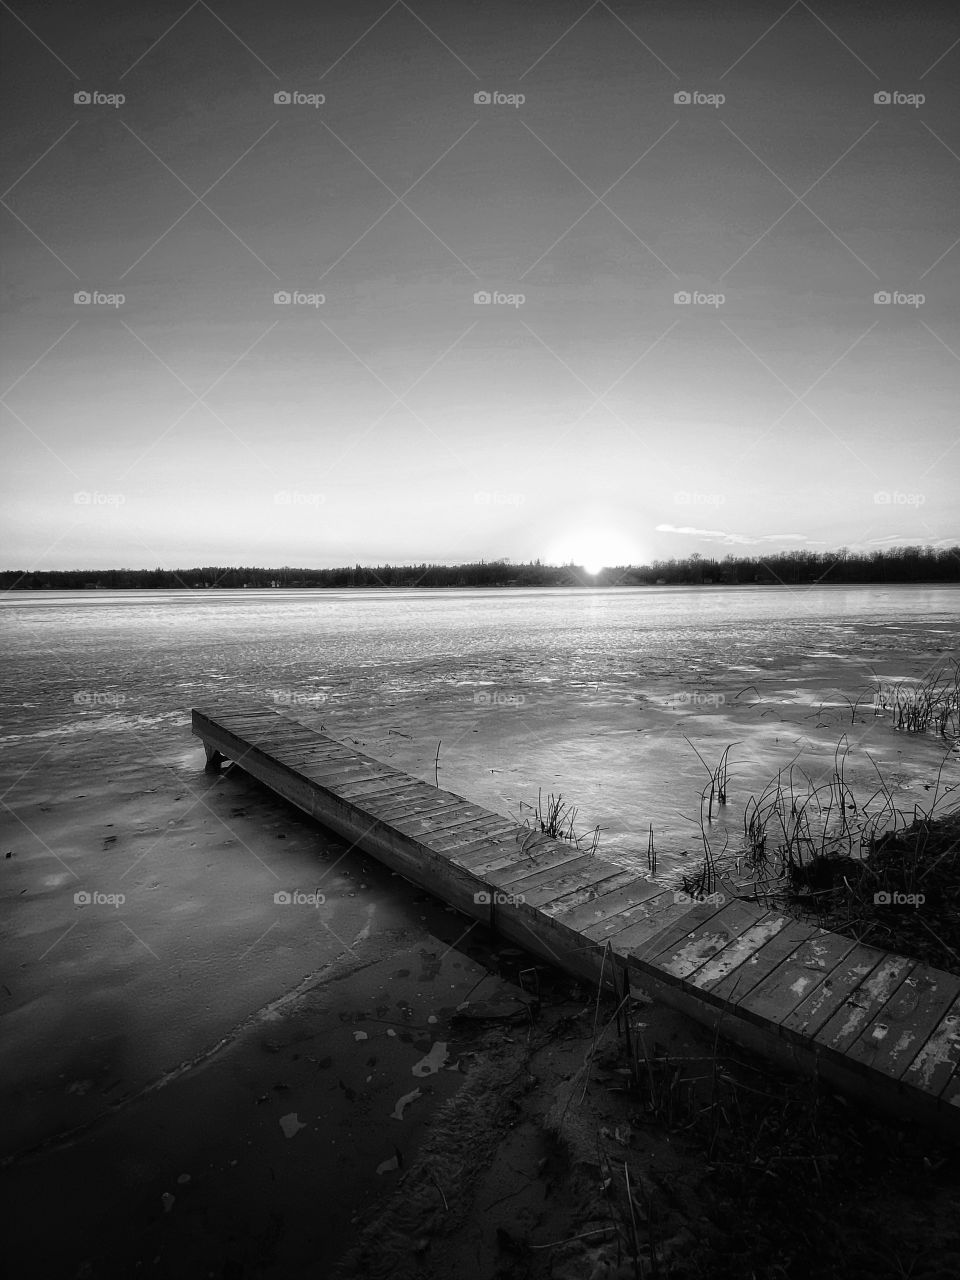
x: 560, y: 860
x: 862, y: 1005
x: 951, y: 1094
x: 643, y: 932
x: 331, y: 782
x: 883, y: 1024
x: 436, y: 821
x: 829, y: 995
x: 551, y: 882
x: 424, y: 799
x: 524, y: 847
x: 769, y: 955
x: 637, y: 890
x: 800, y: 974
x: 722, y: 944
x: 681, y: 957
x: 449, y: 841
x: 591, y: 891
x: 297, y: 756
x: 376, y: 788
x: 339, y: 769
x: 933, y: 1068
x: 644, y: 909
x: 404, y: 793
x: 891, y: 1041
x: 273, y: 735
x: 688, y: 919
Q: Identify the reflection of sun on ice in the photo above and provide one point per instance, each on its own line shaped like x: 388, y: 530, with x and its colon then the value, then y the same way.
x: 596, y: 549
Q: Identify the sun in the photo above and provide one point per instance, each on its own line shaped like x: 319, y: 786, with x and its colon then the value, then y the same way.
x: 595, y: 549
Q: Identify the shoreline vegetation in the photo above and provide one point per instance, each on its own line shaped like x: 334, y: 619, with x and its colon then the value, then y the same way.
x: 912, y: 564
x: 859, y: 867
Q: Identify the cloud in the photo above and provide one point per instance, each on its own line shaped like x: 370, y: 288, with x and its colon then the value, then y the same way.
x: 901, y: 539
x: 733, y: 539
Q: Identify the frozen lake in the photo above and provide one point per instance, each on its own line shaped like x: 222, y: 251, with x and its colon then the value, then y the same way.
x: 591, y: 693
x: 600, y: 695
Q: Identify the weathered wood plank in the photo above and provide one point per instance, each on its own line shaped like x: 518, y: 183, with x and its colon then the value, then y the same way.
x: 651, y: 920
x: 419, y: 798
x: 658, y: 941
x: 335, y: 772
x: 340, y: 767
x: 639, y: 913
x: 229, y: 717
x: 950, y: 1098
x: 759, y: 964
x: 843, y: 1007
x: 560, y: 860
x: 891, y: 1041
x: 862, y: 1005
x: 497, y: 839
x: 778, y: 994
x: 590, y: 891
x: 522, y: 848
x: 275, y: 737
x: 934, y: 1066
x: 447, y: 842
x: 342, y: 775
x: 747, y: 933
x: 404, y: 793
x: 637, y: 890
x: 680, y: 958
x: 550, y: 882
x: 818, y: 1008
x: 333, y: 755
x: 377, y: 787
x: 438, y: 821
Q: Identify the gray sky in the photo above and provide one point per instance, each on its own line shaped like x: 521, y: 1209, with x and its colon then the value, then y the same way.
x: 583, y: 413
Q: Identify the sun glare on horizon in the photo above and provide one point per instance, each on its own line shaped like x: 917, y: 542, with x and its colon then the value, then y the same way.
x: 595, y: 549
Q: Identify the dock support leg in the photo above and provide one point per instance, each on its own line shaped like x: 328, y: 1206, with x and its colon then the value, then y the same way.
x: 214, y: 759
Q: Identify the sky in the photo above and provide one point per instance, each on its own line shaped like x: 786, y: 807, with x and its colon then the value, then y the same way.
x: 579, y: 281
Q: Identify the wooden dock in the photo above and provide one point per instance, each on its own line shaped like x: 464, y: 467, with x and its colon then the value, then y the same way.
x: 881, y: 1027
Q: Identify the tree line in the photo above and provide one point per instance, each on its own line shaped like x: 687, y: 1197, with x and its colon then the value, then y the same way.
x: 790, y: 568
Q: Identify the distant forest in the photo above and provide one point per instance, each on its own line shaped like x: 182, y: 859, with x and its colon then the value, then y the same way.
x: 790, y: 568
